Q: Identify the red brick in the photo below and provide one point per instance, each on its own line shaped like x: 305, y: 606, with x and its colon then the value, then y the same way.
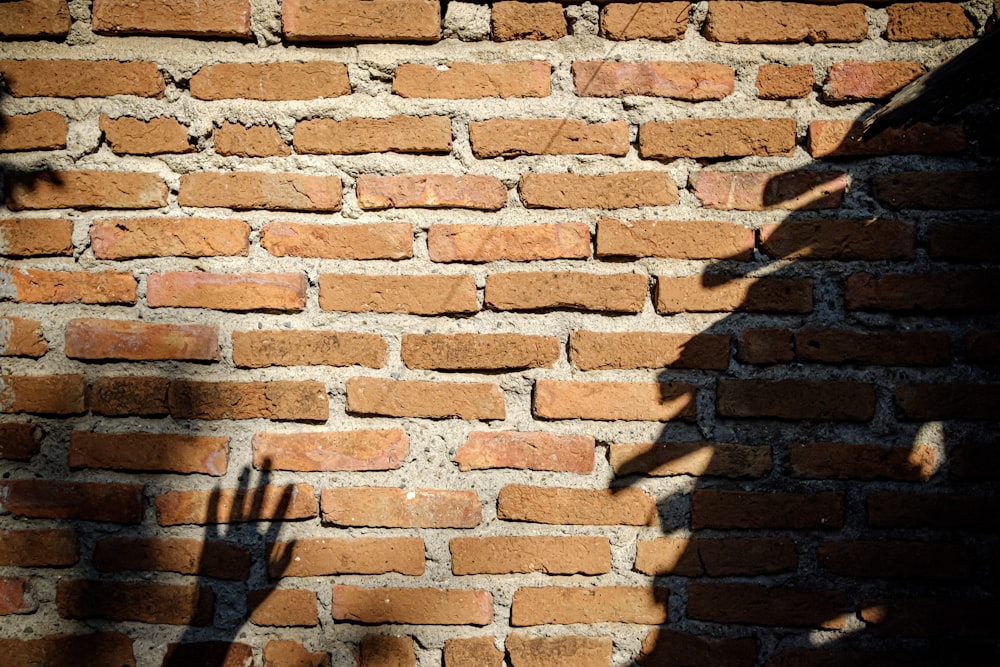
x: 763, y: 605
x: 938, y: 511
x: 855, y: 81
x: 717, y: 292
x: 767, y: 191
x: 894, y: 559
x: 258, y: 190
x: 479, y: 351
x: 288, y: 653
x: 458, y: 80
x: 503, y: 137
x: 260, y: 349
x: 16, y: 596
x: 717, y: 138
x: 841, y: 460
x: 303, y: 400
x: 536, y: 651
x: 620, y: 293
x: 975, y: 462
x: 346, y: 555
x: 412, y: 606
x: 606, y: 604
x: 364, y: 241
x: 124, y: 396
x: 96, y: 339
x: 663, y: 459
x: 27, y: 237
x: 781, y: 82
x: 613, y: 401
x: 473, y: 191
x: 215, y: 653
x: 350, y: 21
x: 85, y: 189
x: 913, y: 21
x: 668, y: 648
x: 943, y: 190
x: 630, y: 189
x: 675, y: 239
x: 765, y: 346
x: 664, y: 21
x: 21, y: 337
x: 520, y: 450
x: 132, y: 238
x: 43, y: 130
x: 249, y: 141
x: 419, y: 295
x: 386, y: 651
x: 160, y: 452
x: 472, y: 652
x: 784, y: 22
x: 626, y: 506
x: 592, y: 350
x: 228, y: 18
x: 983, y: 347
x: 262, y: 503
x: 43, y: 394
x: 392, y: 507
x: 34, y: 18
x: 84, y: 501
x: 396, y: 134
x: 851, y: 239
x: 138, y: 137
x: 964, y: 241
x: 282, y: 608
x: 270, y: 82
x: 38, y: 286
x: 19, y: 441
x: 224, y: 291
x: 216, y: 559
x: 700, y: 557
x: 81, y: 78
x: 516, y: 243
x: 417, y: 398
x: 948, y: 400
x: 145, y: 602
x: 932, y: 292
x: 936, y: 616
x: 842, y: 138
x: 842, y: 346
x: 330, y: 451
x: 727, y: 510
x: 690, y: 81
x: 103, y: 649
x: 527, y: 20
x: 835, y: 400
x: 550, y: 555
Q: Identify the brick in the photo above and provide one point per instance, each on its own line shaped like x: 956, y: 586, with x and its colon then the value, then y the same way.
x: 784, y: 82
x: 479, y: 351
x: 766, y: 345
x: 28, y: 237
x: 674, y: 239
x: 662, y: 459
x: 160, y: 452
x: 521, y: 450
x: 19, y: 441
x: 669, y: 648
x: 974, y: 462
x: 431, y: 400
x: 84, y: 501
x: 260, y: 349
x: 767, y: 605
x: 613, y: 401
x: 842, y: 138
x: 124, y: 396
x: 840, y: 460
x: 784, y: 23
x: 948, y: 400
x: 43, y: 130
x: 216, y: 653
x: 968, y: 241
x: 81, y: 78
x: 593, y: 350
x: 270, y: 82
x: 351, y: 21
x: 689, y: 81
x: 133, y: 238
x: 472, y: 652
x: 20, y: 337
x: 392, y: 507
x: 622, y: 190
x: 224, y: 291
x: 717, y: 138
x: 16, y: 596
x: 262, y: 503
x: 502, y: 137
x: 416, y: 606
x: 618, y: 293
x: 319, y: 557
x: 43, y: 394
x: 85, y: 189
x: 38, y: 286
x: 279, y: 400
x: 216, y: 559
x: 95, y: 339
x: 229, y: 18
x: 855, y: 81
x: 419, y: 295
x: 943, y: 190
x: 363, y: 241
x: 34, y: 18
x: 510, y: 555
x: 913, y: 21
x: 533, y: 651
x: 235, y: 139
x: 701, y: 557
x: 395, y: 134
x: 664, y: 21
x: 527, y: 20
x: 894, y: 559
x: 103, y: 649
x: 834, y: 400
x: 740, y: 510
x: 842, y: 346
x: 625, y: 506
x: 288, y: 653
x: 719, y: 293
x: 983, y: 347
x: 515, y: 243
x: 605, y: 604
x: 472, y: 191
x: 386, y: 651
x: 835, y: 656
x: 936, y: 616
x: 931, y: 292
x: 282, y: 608
x: 145, y: 602
x: 258, y: 190
x: 330, y: 451
x: 132, y: 136
x: 850, y: 239
x: 458, y: 80
x: 767, y: 191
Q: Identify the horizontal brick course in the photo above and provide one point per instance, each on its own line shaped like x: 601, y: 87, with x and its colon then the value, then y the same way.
x: 551, y: 555
x: 34, y: 18
x: 271, y: 82
x: 763, y: 191
x: 145, y: 602
x: 229, y: 18
x: 478, y: 351
x: 763, y: 605
x: 364, y: 241
x: 21, y: 337
x: 619, y: 293
x: 260, y: 349
x: 223, y: 291
x: 27, y: 237
x: 840, y: 460
x: 43, y: 130
x: 43, y: 394
x: 132, y: 136
x: 527, y: 20
x: 517, y: 243
x: 417, y: 398
x: 677, y: 239
x: 352, y: 555
x: 215, y: 559
x: 593, y: 350
x: 419, y: 295
x: 131, y: 238
x: 501, y: 137
x: 250, y: 190
x: 717, y: 138
x: 85, y: 189
x: 86, y: 501
x: 840, y: 239
x: 689, y: 81
x: 260, y: 503
x: 665, y: 21
x: 235, y: 139
x: 342, y: 450
x: 466, y: 80
x: 399, y: 508
x: 485, y: 193
x: 606, y: 604
x: 349, y: 21
x: 699, y: 557
x: 717, y: 293
x: 611, y: 401
x: 796, y: 399
x: 19, y: 441
x: 42, y: 547
x: 553, y: 505
x: 81, y: 78
x: 417, y: 606
x: 526, y: 451
x: 690, y: 458
x: 722, y: 509
x: 94, y: 339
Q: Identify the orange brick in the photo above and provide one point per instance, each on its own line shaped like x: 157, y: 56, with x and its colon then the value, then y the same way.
x: 551, y: 555
x: 841, y: 460
x: 420, y: 295
x: 19, y: 441
x: 392, y: 507
x: 662, y: 646
x: 43, y: 394
x: 318, y: 452
x: 34, y: 18
x: 85, y: 189
x: 378, y: 650
x: 871, y: 239
x: 784, y: 22
x: 161, y: 452
x: 931, y: 292
x: 270, y: 81
x: 675, y: 239
x: 16, y: 596
x: 217, y: 559
x: 526, y: 451
x: 842, y: 138
x: 854, y: 81
x: 47, y: 547
x: 84, y: 501
x: 223, y: 291
x: 894, y: 559
x: 258, y: 190
x: 948, y: 400
x: 364, y: 241
x: 351, y: 21
x: 662, y: 459
x: 38, y: 286
x: 123, y: 396
x: 301, y: 400
x: 260, y: 349
x: 913, y: 21
x: 27, y: 237
x: 95, y: 339
x: 613, y: 401
x: 288, y: 653
x: 228, y: 18
x: 963, y: 241
x: 766, y: 345
x: 717, y: 138
x: 262, y: 503
x: 592, y: 350
x: 626, y: 506
x: 137, y: 137
x: 533, y: 651
x: 904, y: 348
x: 458, y: 80
x: 479, y: 351
x: 527, y: 20
x: 396, y: 134
x: 938, y: 511
x: 131, y: 238
x: 416, y: 606
x: 621, y: 190
x: 43, y: 130
x: 717, y: 292
x: 605, y: 604
x: 114, y: 648
x: 472, y: 652
x: 502, y: 137
x: 664, y: 21
x: 699, y: 557
x: 282, y: 608
x: 484, y: 193
x: 619, y: 293
x: 249, y: 141
x: 20, y: 337
x: 81, y: 78
x: 690, y: 81
x: 835, y: 400
x: 145, y: 602
x: 741, y: 510
x: 319, y: 557
x: 781, y: 82
x: 948, y: 190
x: 516, y: 243
x: 765, y: 191
x: 767, y: 605
x: 433, y: 400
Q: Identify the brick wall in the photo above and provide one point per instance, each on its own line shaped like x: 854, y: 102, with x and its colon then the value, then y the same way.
x: 407, y: 332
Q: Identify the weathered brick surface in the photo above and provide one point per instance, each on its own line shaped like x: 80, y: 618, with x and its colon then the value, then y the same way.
x: 473, y: 191
x: 42, y: 547
x: 26, y: 237
x: 840, y: 239
x: 289, y: 653
x: 478, y: 351
x: 527, y: 20
x: 612, y: 401
x: 149, y: 451
x: 349, y: 21
x: 157, y: 135
x: 564, y: 605
x: 932, y: 292
x: 236, y: 505
x: 526, y: 450
x: 131, y: 238
x: 397, y: 134
x: 343, y: 450
x: 95, y: 339
x: 552, y: 555
x: 364, y: 241
x: 376, y: 650
x: 785, y: 82
x: 229, y: 18
x: 676, y: 239
x: 947, y: 400
x: 937, y: 190
x: 81, y: 78
x: 216, y: 559
x: 667, y: 645
x: 762, y: 605
x: 976, y: 242
x: 534, y: 651
x: 283, y: 608
x: 472, y: 651
x: 87, y: 501
x: 940, y: 511
x: 234, y: 139
x: 857, y: 80
x: 415, y: 606
x: 768, y: 345
x: 516, y: 243
x: 43, y: 394
x: 619, y: 293
x: 797, y: 399
x: 271, y: 81
x: 249, y: 190
x: 259, y: 349
x: 761, y: 191
x: 927, y: 20
x: 699, y: 557
x: 146, y: 602
x: 690, y: 458
x: 19, y: 441
x: 278, y: 400
x: 21, y: 337
x: 784, y: 22
x: 399, y: 508
x: 34, y: 18
x: 708, y: 293
x: 593, y: 350
x: 690, y: 81
x: 664, y: 21
x: 40, y: 286
x: 16, y: 597
x: 717, y: 138
x: 466, y: 80
x: 109, y: 649
x: 222, y: 291
x: 500, y: 137
x: 124, y: 396
x: 356, y: 555
x: 889, y: 558
x: 842, y: 138
x: 420, y: 295
x: 43, y: 130
x: 222, y: 653
x: 86, y: 189
x: 552, y: 505
x: 716, y: 508
x: 839, y: 346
